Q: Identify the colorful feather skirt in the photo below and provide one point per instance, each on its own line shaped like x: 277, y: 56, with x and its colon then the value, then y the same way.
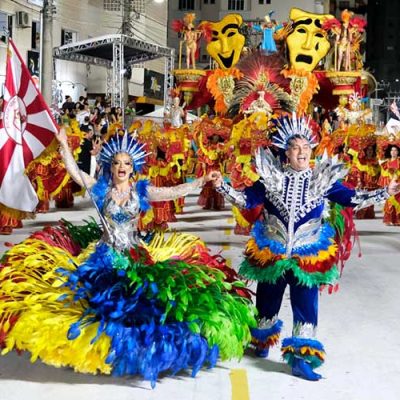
x: 165, y: 306
x: 312, y: 265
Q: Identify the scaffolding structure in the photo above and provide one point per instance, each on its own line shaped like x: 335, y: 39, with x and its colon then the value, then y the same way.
x: 117, y: 52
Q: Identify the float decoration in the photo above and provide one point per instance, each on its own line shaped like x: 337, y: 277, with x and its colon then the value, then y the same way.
x: 188, y: 79
x: 262, y: 87
x: 307, y: 45
x: 347, y: 61
x: 221, y: 84
x: 226, y: 42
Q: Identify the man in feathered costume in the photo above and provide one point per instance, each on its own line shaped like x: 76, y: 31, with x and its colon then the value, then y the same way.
x: 294, y: 244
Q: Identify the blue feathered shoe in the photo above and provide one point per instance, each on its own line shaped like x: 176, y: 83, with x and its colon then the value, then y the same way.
x: 304, y: 370
x: 303, y: 355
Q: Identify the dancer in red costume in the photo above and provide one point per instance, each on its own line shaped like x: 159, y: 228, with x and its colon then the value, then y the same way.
x: 64, y: 194
x: 365, y: 171
x: 212, y: 138
x: 390, y: 169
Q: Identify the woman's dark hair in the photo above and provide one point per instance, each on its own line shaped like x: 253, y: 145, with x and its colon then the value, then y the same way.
x: 389, y: 148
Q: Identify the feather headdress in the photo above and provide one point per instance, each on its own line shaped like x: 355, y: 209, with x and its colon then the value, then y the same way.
x: 288, y: 127
x: 123, y: 144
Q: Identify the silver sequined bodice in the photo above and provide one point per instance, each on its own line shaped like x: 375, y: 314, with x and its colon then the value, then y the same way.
x: 293, y: 201
x: 122, y: 221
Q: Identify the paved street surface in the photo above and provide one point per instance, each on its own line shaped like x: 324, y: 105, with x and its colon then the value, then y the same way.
x: 359, y: 326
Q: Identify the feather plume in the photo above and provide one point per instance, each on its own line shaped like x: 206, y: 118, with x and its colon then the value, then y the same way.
x: 359, y: 23
x: 261, y: 73
x: 177, y: 25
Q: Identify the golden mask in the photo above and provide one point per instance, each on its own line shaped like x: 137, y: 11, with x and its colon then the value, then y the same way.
x: 308, y: 43
x: 226, y: 42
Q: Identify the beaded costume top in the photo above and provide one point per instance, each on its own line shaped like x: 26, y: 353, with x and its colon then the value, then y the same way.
x: 122, y: 221
x: 294, y: 201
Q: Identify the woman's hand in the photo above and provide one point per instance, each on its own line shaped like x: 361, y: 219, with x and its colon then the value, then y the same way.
x: 61, y: 136
x: 215, y: 177
x: 393, y: 187
x: 96, y: 146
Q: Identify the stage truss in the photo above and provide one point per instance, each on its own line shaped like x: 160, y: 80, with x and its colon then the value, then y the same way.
x: 116, y: 52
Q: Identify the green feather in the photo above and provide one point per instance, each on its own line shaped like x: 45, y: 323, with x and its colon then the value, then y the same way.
x: 272, y: 273
x: 84, y: 234
x: 203, y: 298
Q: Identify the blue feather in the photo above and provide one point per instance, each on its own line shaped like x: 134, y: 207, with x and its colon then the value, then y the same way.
x: 74, y: 331
x: 142, y: 188
x: 264, y: 334
x: 297, y: 343
x: 142, y: 340
x: 326, y: 238
x: 99, y: 191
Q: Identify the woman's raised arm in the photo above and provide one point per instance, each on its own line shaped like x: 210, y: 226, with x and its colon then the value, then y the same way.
x: 80, y: 177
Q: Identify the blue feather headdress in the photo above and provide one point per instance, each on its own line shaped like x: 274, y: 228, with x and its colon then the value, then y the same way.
x: 122, y: 144
x: 287, y: 128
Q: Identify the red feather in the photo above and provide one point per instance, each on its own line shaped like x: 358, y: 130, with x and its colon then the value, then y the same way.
x: 257, y: 63
x: 359, y: 23
x: 231, y: 276
x: 177, y: 25
x: 57, y: 236
x: 346, y: 242
x: 202, y: 96
x: 206, y: 31
x: 331, y: 23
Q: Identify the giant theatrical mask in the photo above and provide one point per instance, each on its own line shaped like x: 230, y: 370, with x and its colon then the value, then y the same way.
x: 226, y: 42
x: 308, y: 43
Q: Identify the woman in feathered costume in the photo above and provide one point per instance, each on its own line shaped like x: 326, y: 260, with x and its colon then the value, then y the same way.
x: 121, y: 305
x: 294, y: 244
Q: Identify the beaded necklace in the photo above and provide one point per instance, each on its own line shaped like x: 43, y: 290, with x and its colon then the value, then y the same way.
x: 120, y: 195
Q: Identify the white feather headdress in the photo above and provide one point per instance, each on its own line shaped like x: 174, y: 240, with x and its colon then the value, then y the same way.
x: 288, y: 127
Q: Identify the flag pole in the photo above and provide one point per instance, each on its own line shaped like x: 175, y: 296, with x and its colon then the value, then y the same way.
x: 106, y: 226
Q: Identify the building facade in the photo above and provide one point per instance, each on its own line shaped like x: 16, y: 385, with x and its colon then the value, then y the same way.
x: 383, y: 57
x: 80, y: 20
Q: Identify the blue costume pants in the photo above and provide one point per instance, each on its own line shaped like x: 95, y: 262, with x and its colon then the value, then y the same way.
x: 303, y: 299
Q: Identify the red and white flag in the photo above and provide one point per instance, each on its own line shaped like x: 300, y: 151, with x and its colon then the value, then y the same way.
x: 26, y: 129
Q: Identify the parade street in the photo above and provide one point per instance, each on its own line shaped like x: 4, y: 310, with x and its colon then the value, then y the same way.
x: 359, y: 326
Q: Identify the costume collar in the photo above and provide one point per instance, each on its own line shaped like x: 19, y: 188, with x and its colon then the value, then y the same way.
x: 304, y: 172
